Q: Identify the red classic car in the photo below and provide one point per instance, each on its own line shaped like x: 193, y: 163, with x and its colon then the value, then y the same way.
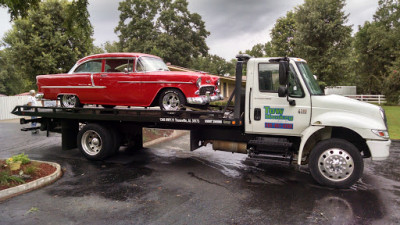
x: 129, y: 79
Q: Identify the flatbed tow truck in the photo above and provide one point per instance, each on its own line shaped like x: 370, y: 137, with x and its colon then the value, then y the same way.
x: 280, y: 115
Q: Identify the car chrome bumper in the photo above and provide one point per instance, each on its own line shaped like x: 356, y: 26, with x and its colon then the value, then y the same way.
x: 379, y: 149
x: 204, y: 99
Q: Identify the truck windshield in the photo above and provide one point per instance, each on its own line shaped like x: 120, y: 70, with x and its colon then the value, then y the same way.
x: 309, y: 79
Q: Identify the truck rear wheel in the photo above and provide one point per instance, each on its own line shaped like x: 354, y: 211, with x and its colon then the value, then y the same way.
x: 96, y: 142
x: 336, y: 163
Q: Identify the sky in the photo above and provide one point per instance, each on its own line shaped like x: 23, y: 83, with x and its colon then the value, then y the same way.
x: 235, y: 25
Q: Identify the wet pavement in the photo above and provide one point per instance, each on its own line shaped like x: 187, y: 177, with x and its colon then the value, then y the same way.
x: 167, y: 184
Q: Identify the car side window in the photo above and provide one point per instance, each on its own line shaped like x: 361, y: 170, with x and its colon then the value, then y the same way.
x: 119, y: 65
x: 93, y: 66
x: 268, y: 77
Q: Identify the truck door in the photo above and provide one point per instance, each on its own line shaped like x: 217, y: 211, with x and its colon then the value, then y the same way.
x: 271, y: 114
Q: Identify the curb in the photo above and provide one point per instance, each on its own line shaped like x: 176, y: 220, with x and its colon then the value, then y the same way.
x: 174, y: 135
x: 27, y: 187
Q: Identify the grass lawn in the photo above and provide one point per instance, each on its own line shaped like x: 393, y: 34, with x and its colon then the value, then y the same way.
x: 393, y: 117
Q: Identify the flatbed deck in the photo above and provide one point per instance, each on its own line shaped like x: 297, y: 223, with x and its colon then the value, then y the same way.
x: 138, y: 115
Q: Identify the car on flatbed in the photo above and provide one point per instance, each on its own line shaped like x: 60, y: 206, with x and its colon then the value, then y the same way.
x: 128, y: 79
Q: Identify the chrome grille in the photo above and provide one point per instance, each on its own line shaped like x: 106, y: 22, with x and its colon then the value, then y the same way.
x: 205, y: 89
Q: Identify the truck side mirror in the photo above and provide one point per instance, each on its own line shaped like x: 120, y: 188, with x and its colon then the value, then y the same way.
x: 283, y: 72
x: 282, y: 91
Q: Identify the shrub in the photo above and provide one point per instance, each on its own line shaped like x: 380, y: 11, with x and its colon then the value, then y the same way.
x: 21, y: 157
x: 6, y: 178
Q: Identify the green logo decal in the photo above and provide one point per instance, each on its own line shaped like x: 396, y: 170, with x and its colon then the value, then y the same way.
x: 276, y: 114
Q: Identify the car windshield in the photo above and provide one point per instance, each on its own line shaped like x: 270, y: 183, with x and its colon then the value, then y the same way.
x: 150, y: 64
x: 309, y: 79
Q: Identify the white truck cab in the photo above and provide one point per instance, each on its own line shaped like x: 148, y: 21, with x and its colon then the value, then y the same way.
x: 335, y: 133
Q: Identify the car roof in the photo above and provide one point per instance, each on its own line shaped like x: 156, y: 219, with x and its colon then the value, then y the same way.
x: 115, y: 55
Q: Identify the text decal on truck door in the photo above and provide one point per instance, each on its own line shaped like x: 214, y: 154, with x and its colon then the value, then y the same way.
x: 276, y: 114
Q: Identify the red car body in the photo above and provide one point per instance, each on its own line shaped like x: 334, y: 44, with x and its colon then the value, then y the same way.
x: 129, y: 79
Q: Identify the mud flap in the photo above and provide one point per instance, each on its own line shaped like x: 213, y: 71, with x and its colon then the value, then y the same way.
x: 69, y: 133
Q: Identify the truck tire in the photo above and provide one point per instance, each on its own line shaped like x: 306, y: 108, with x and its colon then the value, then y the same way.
x: 336, y: 163
x: 70, y: 101
x: 96, y: 142
x: 172, y: 100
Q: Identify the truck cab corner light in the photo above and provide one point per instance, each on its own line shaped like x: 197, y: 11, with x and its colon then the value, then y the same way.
x: 381, y: 133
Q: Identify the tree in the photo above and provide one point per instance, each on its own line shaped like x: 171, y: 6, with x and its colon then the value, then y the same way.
x: 18, y: 8
x: 260, y: 50
x: 213, y: 64
x: 282, y: 35
x: 162, y: 27
x: 391, y: 84
x: 322, y: 38
x: 47, y: 41
x: 377, y: 47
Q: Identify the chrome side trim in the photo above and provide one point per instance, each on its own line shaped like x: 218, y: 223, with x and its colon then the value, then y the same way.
x: 155, y: 82
x: 77, y: 87
x: 91, y: 78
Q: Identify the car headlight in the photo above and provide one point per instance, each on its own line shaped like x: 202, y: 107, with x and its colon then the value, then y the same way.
x: 198, y: 82
x: 381, y: 133
x: 218, y: 82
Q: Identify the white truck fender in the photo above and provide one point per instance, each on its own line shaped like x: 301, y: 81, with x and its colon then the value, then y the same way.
x: 305, y: 135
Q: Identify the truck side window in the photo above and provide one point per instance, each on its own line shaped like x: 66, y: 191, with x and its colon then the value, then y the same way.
x: 294, y: 87
x: 268, y: 77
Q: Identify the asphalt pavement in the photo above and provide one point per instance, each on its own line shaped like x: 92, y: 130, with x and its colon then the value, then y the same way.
x: 168, y: 184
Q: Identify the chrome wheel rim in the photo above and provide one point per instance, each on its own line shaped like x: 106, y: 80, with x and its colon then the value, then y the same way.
x: 69, y: 101
x: 171, y: 101
x: 91, y: 142
x: 336, y: 164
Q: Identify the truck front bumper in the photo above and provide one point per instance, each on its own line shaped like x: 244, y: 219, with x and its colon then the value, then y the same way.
x: 379, y: 149
x: 204, y: 99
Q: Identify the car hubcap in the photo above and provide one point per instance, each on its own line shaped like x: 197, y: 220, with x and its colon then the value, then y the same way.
x: 91, y: 142
x: 336, y: 164
x: 69, y: 101
x: 171, y: 101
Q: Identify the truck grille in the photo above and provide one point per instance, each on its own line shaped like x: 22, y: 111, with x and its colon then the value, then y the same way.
x: 205, y: 89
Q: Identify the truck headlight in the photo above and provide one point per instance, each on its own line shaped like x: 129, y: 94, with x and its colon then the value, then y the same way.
x: 218, y: 82
x: 381, y: 133
x: 198, y: 82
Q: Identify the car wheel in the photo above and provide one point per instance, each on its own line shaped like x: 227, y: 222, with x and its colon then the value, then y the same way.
x: 336, y: 163
x: 70, y: 101
x: 108, y: 106
x: 96, y: 142
x: 172, y: 100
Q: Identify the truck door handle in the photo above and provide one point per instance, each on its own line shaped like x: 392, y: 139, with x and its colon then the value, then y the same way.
x: 257, y: 114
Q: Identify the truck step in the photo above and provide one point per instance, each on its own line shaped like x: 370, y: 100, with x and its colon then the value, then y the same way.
x: 270, y: 145
x: 267, y: 158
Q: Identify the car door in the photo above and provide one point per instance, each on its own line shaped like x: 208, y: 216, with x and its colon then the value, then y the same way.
x: 122, y: 84
x: 271, y: 114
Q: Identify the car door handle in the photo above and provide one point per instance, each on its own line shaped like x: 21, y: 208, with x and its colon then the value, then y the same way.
x: 103, y: 75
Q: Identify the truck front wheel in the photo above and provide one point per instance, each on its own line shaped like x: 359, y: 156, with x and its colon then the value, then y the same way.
x: 336, y: 163
x: 95, y: 142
